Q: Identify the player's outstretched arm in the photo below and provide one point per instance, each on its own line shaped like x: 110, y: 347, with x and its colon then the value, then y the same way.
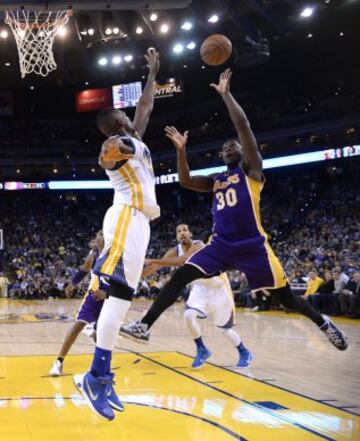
x: 151, y: 268
x: 82, y: 272
x: 197, y: 183
x: 174, y: 260
x: 146, y: 102
x: 251, y: 154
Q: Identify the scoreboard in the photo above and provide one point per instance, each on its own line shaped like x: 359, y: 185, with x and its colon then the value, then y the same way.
x: 126, y: 95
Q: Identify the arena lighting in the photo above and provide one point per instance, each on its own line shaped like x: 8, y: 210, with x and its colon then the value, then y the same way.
x: 103, y: 61
x: 139, y: 30
x: 7, y: 64
x: 91, y: 31
x: 153, y: 16
x: 108, y: 31
x: 116, y: 59
x: 164, y: 28
x: 178, y: 48
x: 191, y: 45
x: 307, y: 12
x: 281, y: 161
x: 186, y: 26
x: 62, y: 31
x: 128, y: 58
x: 213, y: 19
x: 116, y: 31
x: 4, y: 34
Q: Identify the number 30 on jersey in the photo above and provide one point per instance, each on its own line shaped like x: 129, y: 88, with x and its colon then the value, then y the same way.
x: 228, y: 198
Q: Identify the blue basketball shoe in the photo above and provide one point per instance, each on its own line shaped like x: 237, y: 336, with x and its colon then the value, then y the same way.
x: 202, y: 355
x: 95, y: 391
x: 112, y: 397
x: 245, y: 358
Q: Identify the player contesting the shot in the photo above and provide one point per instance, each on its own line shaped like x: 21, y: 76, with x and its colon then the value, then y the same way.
x: 127, y: 162
x: 239, y: 240
x: 210, y: 295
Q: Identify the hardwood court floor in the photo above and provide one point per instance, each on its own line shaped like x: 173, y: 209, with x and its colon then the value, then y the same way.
x: 166, y: 399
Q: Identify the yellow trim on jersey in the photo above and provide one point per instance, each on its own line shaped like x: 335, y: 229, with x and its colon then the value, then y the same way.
x: 229, y: 291
x: 129, y: 175
x: 254, y: 188
x: 138, y: 187
x: 94, y: 286
x: 118, y: 244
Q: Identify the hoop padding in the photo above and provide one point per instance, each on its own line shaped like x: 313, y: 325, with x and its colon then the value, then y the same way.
x: 34, y: 33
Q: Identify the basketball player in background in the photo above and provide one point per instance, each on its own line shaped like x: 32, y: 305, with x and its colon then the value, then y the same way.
x: 207, y: 295
x: 239, y: 240
x: 90, y: 308
x: 127, y: 162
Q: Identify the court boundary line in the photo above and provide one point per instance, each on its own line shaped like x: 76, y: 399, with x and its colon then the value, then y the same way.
x: 134, y: 403
x: 258, y: 407
x: 276, y: 386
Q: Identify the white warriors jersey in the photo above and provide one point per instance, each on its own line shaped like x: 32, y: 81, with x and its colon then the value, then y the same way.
x: 212, y: 282
x: 133, y: 180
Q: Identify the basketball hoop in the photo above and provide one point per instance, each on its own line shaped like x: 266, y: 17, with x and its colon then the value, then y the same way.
x: 35, y: 32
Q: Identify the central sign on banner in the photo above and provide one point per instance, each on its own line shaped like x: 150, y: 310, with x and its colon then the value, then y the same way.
x: 93, y: 99
x: 168, y: 90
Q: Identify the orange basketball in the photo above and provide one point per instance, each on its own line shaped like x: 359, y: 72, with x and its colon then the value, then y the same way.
x: 216, y: 49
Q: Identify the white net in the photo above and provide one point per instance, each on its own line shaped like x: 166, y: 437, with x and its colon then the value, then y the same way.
x: 35, y: 32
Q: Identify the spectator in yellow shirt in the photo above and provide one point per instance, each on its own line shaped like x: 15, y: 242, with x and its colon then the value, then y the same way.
x: 313, y: 284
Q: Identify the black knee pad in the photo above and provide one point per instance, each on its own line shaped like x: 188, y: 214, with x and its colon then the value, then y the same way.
x: 120, y: 291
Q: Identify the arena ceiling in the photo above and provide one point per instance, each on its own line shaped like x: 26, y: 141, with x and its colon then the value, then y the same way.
x: 107, y: 30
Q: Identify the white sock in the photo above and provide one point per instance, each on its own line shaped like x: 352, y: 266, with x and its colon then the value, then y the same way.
x: 111, y: 317
x: 190, y: 319
x: 232, y: 335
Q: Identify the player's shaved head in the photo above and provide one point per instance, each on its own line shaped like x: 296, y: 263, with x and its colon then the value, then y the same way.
x: 231, y: 152
x: 112, y: 121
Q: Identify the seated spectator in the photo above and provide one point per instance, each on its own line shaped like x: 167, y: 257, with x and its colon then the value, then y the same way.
x: 321, y: 300
x: 339, y: 285
x: 344, y: 277
x: 350, y: 297
x: 298, y: 278
x: 4, y: 283
x: 242, y: 294
x: 313, y: 284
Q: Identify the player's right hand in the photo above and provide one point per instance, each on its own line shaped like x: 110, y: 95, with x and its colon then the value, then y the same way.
x: 176, y: 137
x: 223, y: 87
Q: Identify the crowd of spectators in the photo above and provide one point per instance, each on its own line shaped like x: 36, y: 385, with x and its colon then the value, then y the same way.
x: 313, y: 221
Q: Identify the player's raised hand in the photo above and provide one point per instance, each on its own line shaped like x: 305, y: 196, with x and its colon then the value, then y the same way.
x: 223, y: 87
x: 152, y: 59
x: 179, y: 140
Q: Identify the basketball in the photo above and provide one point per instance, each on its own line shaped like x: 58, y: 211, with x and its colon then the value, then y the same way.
x: 215, y: 50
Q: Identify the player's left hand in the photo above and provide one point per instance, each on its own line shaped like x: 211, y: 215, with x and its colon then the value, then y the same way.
x: 223, y: 87
x: 99, y: 295
x: 69, y: 290
x: 110, y: 150
x: 152, y: 59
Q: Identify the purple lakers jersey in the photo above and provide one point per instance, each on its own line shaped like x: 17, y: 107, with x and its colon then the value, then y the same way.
x: 235, y: 207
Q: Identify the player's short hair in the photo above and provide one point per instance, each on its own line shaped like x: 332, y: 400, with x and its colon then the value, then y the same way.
x: 107, y: 121
x: 231, y: 141
x: 183, y: 223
